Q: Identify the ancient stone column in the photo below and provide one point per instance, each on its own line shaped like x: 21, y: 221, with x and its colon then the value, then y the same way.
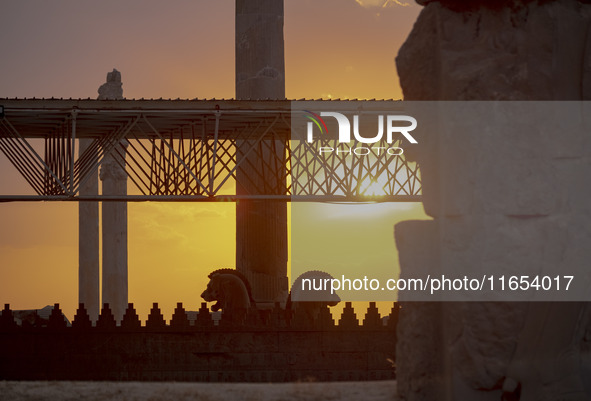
x: 496, y: 50
x: 88, y: 243
x: 114, y: 216
x: 261, y: 225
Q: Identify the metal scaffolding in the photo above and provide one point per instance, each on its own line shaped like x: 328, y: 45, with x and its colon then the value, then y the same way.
x: 185, y: 150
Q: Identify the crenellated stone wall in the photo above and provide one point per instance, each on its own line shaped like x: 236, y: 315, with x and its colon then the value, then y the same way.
x: 276, y: 347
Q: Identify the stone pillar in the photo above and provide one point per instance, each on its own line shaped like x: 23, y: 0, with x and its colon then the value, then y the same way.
x: 494, y: 50
x: 88, y: 243
x: 114, y: 217
x: 114, y: 238
x: 261, y: 226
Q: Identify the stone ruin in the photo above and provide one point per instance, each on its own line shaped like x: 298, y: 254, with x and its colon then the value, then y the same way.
x: 113, y: 88
x: 192, y: 347
x: 498, y: 50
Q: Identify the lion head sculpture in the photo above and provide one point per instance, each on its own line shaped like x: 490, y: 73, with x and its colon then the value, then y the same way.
x: 230, y: 289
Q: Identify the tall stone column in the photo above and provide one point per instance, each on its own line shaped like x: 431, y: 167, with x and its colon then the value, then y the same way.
x: 88, y: 243
x: 261, y: 226
x: 114, y: 217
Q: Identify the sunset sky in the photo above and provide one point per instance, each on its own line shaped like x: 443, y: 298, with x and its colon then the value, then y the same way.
x: 333, y: 49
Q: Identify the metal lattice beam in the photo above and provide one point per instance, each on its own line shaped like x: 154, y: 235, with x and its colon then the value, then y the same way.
x: 188, y: 152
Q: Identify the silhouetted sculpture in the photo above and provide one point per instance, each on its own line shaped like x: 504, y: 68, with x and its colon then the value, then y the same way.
x: 232, y: 292
x: 113, y: 88
x: 306, y: 305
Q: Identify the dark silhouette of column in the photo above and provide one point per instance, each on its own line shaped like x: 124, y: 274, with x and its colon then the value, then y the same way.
x: 261, y: 225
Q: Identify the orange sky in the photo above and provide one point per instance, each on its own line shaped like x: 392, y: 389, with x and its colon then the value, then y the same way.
x: 333, y: 48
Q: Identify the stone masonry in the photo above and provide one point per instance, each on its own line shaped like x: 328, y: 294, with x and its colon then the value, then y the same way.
x: 536, y: 199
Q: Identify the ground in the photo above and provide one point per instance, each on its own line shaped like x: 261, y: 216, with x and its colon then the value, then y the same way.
x: 154, y: 391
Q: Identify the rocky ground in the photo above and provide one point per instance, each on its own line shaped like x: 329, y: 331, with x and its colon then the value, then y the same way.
x: 99, y: 391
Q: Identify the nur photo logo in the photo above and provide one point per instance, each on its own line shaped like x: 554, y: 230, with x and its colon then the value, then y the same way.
x: 389, y: 127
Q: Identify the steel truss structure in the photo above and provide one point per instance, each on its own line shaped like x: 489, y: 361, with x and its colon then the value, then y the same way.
x: 187, y: 150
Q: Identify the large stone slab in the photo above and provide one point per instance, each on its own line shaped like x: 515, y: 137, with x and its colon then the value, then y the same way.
x: 508, y: 195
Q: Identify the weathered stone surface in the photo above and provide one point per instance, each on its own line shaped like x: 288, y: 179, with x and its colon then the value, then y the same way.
x: 502, y: 200
x: 533, y: 52
x: 419, y: 356
x: 485, y: 343
x: 486, y: 158
x: 479, y: 339
x: 479, y: 246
